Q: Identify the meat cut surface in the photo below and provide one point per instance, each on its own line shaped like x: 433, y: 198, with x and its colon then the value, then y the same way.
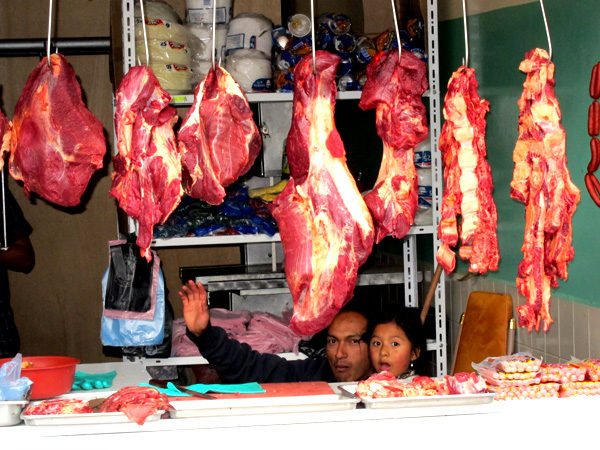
x: 541, y: 180
x: 147, y: 169
x: 396, y: 91
x: 56, y: 144
x: 467, y: 179
x: 325, y: 226
x: 5, y: 135
x: 218, y: 138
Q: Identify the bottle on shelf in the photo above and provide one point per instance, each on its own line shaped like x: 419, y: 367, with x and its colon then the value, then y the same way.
x: 424, y: 214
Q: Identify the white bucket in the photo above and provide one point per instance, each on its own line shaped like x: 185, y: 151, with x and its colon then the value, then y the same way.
x: 249, y: 31
x: 201, y: 11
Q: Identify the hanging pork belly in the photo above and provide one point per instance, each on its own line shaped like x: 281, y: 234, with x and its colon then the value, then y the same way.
x: 56, y: 144
x: 147, y: 169
x: 468, y: 182
x: 325, y: 226
x: 542, y: 182
x: 5, y: 135
x: 396, y: 91
x: 218, y: 138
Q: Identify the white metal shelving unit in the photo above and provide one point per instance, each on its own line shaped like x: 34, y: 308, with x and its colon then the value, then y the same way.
x: 410, y: 277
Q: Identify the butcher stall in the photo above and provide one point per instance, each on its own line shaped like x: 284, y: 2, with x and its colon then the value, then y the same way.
x: 294, y: 157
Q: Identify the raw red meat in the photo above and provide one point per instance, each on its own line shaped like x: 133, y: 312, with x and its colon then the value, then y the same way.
x: 5, y: 135
x: 57, y: 144
x: 59, y: 406
x: 468, y: 180
x: 542, y: 181
x: 396, y: 92
x: 136, y: 402
x: 325, y: 226
x: 147, y: 170
x: 218, y: 138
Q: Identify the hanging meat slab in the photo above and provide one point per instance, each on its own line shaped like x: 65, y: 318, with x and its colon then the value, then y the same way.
x: 56, y: 144
x: 5, y: 135
x: 326, y: 229
x: 542, y: 182
x: 218, y: 138
x: 467, y: 179
x: 146, y: 179
x: 396, y: 91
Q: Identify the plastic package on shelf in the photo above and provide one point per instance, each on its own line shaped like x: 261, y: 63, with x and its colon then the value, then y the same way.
x: 519, y: 369
x: 534, y: 391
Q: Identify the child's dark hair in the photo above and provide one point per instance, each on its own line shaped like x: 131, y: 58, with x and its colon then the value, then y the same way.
x: 409, y: 320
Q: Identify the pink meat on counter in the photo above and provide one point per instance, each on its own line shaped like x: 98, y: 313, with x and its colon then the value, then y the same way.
x: 325, y: 226
x: 57, y: 143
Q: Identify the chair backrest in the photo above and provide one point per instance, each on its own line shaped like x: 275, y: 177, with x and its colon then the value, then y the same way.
x: 485, y: 330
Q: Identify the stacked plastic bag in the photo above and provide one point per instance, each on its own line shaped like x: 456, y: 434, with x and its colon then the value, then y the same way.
x: 523, y: 376
x: 167, y: 44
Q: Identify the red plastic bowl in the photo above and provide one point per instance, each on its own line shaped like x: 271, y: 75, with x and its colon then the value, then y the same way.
x: 51, y: 375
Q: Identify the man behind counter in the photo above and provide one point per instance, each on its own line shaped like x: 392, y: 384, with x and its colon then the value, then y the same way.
x: 347, y: 353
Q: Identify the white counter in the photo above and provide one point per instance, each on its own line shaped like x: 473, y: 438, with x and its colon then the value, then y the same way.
x: 494, y: 425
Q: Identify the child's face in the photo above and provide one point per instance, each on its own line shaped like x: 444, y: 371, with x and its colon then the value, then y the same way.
x: 391, y: 350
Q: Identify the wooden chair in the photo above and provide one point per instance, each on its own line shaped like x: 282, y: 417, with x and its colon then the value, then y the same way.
x: 487, y: 329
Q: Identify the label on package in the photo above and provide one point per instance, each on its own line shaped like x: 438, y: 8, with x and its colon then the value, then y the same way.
x: 423, y: 159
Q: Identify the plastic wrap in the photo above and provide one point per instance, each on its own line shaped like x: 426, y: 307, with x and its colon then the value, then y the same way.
x: 249, y: 30
x: 251, y: 69
x: 14, y: 387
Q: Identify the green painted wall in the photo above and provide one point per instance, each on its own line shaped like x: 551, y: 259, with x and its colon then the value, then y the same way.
x: 498, y: 41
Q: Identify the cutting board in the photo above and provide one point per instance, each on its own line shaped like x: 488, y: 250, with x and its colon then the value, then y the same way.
x: 279, y: 390
x: 484, y: 330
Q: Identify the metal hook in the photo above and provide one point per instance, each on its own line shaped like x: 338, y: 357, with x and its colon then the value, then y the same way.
x: 214, y: 34
x: 312, y: 31
x: 397, y: 31
x: 466, y: 61
x: 547, y: 31
x: 144, y: 32
x: 49, y: 34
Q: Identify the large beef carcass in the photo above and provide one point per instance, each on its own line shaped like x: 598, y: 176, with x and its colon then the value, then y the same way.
x: 218, y: 138
x: 147, y: 169
x: 396, y: 91
x: 467, y: 178
x: 325, y: 226
x: 5, y: 136
x: 57, y: 143
x: 541, y: 180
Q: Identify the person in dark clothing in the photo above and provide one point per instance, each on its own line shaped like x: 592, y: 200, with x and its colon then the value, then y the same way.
x: 18, y: 255
x: 347, y: 350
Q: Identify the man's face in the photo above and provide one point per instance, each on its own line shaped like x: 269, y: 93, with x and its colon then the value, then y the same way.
x: 347, y: 354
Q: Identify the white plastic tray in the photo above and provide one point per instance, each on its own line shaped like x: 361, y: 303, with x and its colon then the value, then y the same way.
x: 83, y: 419
x: 261, y: 405
x: 428, y: 401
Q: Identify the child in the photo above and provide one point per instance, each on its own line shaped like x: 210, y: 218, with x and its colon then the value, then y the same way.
x: 397, y: 340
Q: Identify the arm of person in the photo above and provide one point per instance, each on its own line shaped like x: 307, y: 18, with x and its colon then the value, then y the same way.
x: 19, y: 256
x: 236, y: 362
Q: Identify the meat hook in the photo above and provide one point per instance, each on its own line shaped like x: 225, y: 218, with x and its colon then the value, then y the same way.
x: 214, y: 34
x: 547, y: 30
x: 49, y: 35
x: 466, y: 61
x: 144, y: 32
x: 312, y: 35
x: 398, y: 40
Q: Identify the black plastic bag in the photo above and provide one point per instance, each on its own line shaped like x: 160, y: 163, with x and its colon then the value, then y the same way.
x: 130, y: 278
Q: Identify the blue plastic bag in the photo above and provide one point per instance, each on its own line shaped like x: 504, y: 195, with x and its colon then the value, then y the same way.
x: 14, y: 387
x: 130, y: 332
